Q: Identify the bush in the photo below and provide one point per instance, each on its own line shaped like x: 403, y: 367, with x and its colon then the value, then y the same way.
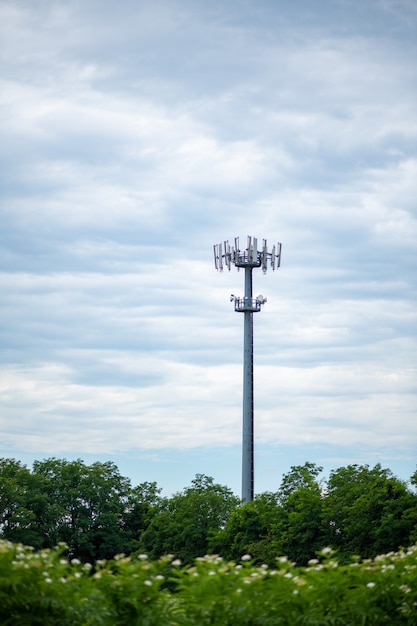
x: 43, y: 587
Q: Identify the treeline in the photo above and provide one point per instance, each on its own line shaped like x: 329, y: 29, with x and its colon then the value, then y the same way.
x: 358, y: 510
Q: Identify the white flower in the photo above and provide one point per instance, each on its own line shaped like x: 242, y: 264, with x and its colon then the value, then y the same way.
x: 75, y: 562
x: 142, y: 557
x: 370, y: 585
x: 148, y: 583
x: 246, y: 557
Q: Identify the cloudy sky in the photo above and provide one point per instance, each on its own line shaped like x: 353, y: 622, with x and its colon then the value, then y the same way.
x: 138, y: 133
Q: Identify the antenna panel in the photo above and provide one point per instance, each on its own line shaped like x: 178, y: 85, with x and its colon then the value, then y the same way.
x: 264, y: 255
x: 279, y: 255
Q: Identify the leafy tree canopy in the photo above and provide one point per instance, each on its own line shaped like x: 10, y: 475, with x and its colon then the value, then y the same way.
x: 185, y: 522
x: 96, y: 511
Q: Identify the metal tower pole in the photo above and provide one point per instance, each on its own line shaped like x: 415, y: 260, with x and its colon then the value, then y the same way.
x: 226, y: 255
x: 247, y: 417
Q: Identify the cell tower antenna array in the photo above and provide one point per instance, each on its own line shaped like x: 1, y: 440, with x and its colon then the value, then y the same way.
x: 251, y: 257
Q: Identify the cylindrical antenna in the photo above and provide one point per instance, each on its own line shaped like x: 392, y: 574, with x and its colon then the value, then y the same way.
x: 248, y: 259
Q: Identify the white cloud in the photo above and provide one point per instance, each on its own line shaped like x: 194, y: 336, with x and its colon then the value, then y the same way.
x: 135, y: 139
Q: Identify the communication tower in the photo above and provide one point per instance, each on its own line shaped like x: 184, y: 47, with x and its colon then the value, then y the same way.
x: 226, y: 255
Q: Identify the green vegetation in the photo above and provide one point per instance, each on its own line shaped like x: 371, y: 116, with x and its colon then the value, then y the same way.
x: 97, y: 513
x: 44, y: 588
x: 92, y: 513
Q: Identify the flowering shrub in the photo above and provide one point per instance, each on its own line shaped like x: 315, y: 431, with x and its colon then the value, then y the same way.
x: 43, y: 587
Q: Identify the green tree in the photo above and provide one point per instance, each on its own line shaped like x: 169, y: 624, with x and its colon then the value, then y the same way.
x: 300, y: 476
x: 183, y: 524
x: 91, y: 508
x: 26, y: 514
x: 143, y: 503
x: 368, y: 511
x: 248, y: 531
x: 298, y: 531
x: 89, y: 504
x: 287, y: 522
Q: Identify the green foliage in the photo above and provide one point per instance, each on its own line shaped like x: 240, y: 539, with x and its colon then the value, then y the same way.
x: 26, y: 514
x: 288, y: 522
x: 142, y: 504
x: 248, y: 529
x: 359, y: 511
x: 89, y: 503
x: 298, y: 531
x: 43, y: 588
x: 97, y: 513
x: 366, y: 510
x: 93, y: 509
x: 299, y: 477
x: 183, y: 523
